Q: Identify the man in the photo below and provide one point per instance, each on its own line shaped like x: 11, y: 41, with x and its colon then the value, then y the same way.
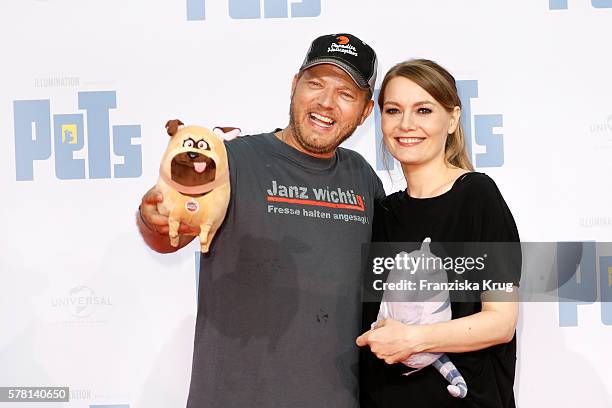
x: 279, y: 296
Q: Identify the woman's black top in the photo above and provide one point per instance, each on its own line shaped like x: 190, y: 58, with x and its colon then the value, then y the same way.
x: 473, y: 210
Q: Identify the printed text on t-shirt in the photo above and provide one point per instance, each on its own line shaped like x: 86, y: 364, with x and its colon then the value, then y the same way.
x: 321, y: 197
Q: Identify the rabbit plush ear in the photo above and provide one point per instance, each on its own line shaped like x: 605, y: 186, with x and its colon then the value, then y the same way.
x: 227, y: 133
x: 172, y: 126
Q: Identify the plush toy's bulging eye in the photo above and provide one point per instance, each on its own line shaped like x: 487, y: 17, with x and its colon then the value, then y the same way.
x: 188, y: 143
x: 202, y: 144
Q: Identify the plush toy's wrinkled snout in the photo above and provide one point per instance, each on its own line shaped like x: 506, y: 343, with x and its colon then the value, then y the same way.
x: 190, y: 169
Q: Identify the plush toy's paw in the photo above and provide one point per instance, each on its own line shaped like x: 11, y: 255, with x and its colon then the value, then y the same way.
x: 456, y: 391
x: 204, y: 241
x: 204, y: 245
x: 173, y: 226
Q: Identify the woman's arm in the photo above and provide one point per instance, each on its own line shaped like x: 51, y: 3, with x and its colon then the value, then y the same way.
x: 394, y: 341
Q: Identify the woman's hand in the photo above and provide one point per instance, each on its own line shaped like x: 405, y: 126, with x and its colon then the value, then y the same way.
x: 393, y: 341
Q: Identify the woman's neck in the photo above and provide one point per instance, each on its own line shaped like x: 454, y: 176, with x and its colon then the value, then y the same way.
x: 430, y: 179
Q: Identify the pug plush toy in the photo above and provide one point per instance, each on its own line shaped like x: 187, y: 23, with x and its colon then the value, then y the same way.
x: 194, y: 179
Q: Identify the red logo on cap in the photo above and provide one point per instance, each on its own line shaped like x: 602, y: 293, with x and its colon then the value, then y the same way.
x: 342, y: 40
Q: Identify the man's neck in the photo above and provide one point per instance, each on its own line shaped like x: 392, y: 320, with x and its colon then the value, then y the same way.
x: 286, y: 136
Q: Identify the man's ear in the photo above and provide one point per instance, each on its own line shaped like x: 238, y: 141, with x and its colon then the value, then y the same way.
x: 296, y: 78
x: 367, y: 110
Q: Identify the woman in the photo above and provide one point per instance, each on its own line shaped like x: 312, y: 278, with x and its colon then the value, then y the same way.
x: 446, y: 201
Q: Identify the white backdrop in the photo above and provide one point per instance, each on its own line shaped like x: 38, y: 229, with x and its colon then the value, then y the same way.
x: 86, y: 304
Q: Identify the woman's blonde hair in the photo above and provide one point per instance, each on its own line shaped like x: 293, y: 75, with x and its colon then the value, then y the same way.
x: 440, y: 84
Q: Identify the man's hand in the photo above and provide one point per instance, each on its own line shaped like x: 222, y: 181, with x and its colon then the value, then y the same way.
x: 154, y: 227
x: 392, y: 341
x: 157, y: 222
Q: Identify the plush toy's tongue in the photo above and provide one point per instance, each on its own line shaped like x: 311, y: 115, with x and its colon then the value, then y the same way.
x: 199, y: 167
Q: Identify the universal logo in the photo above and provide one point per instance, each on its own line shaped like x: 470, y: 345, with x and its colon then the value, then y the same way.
x: 82, y: 301
x: 254, y: 9
x: 604, y: 127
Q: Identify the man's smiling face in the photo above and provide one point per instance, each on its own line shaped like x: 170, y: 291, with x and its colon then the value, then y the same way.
x: 326, y: 108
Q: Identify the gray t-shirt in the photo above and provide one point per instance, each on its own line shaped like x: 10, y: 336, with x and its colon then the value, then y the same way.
x: 279, y: 296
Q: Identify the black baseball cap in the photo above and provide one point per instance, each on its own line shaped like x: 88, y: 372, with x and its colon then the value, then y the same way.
x: 347, y: 52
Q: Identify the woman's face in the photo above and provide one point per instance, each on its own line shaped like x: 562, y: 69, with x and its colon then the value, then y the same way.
x: 414, y: 125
